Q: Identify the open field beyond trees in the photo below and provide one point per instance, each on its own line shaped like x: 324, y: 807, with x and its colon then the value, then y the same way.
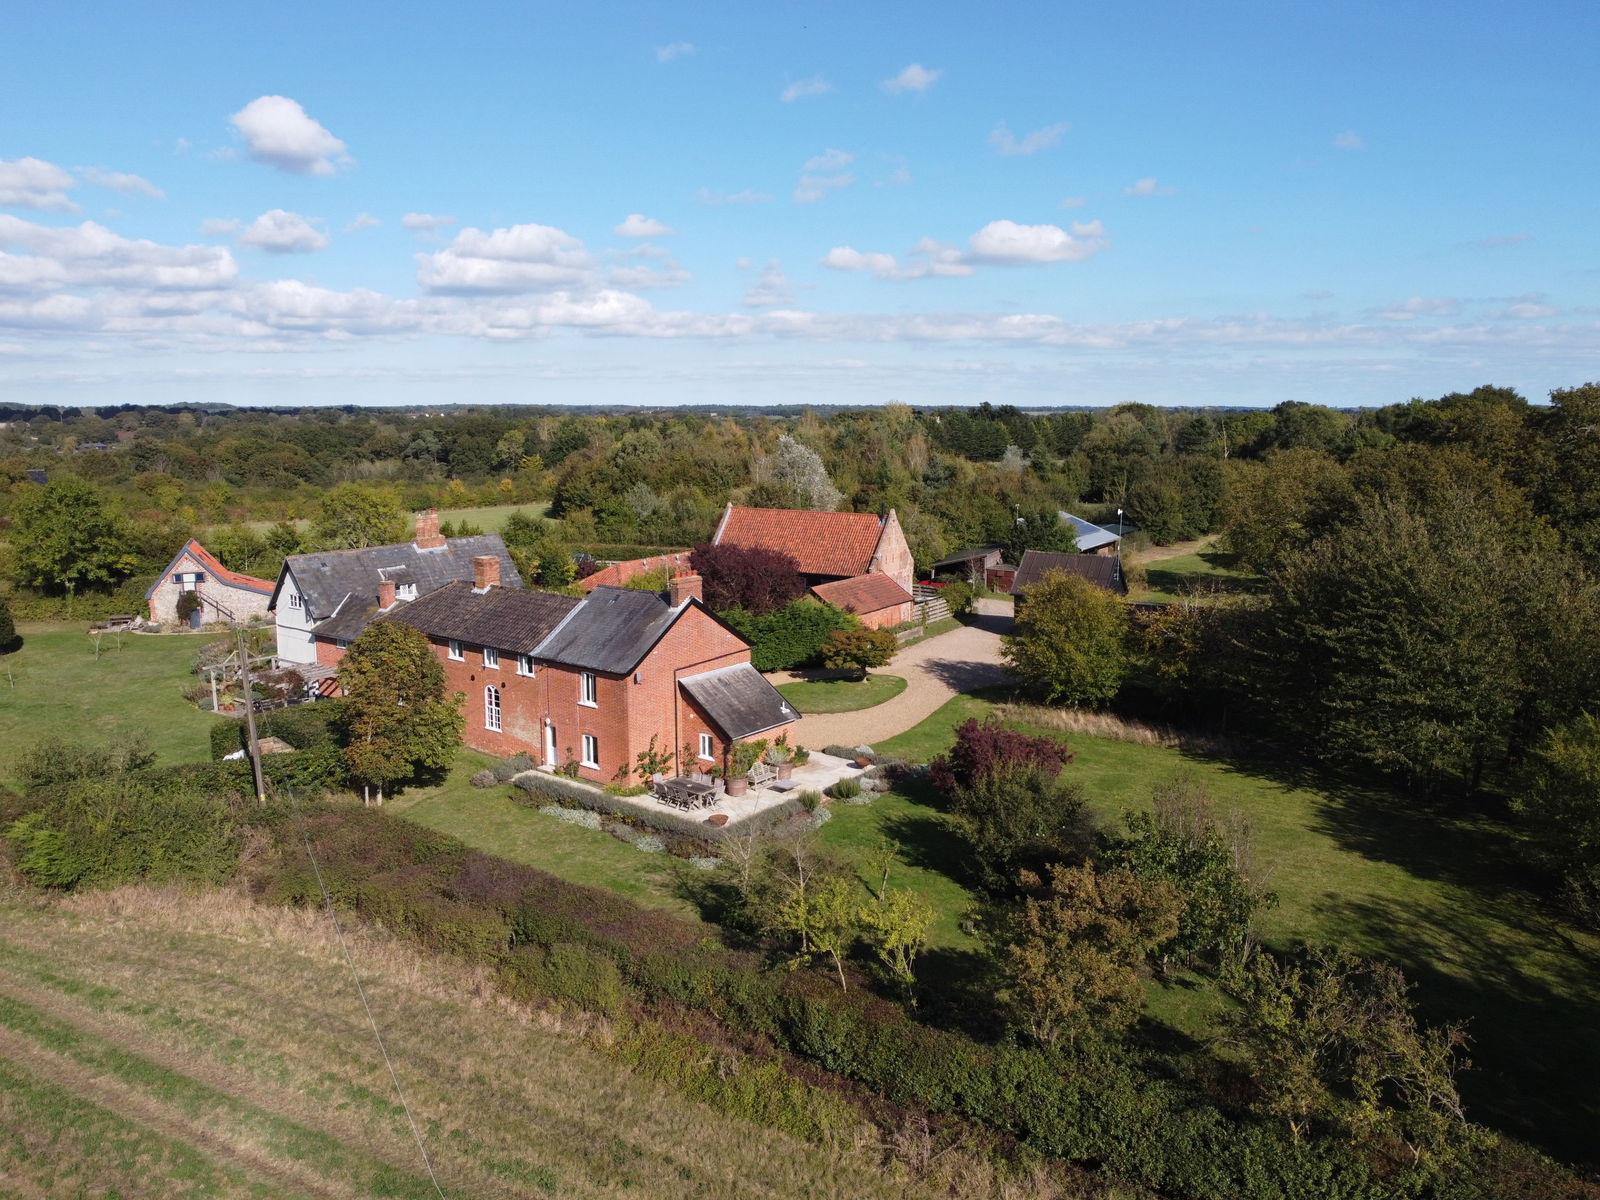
x: 157, y: 1044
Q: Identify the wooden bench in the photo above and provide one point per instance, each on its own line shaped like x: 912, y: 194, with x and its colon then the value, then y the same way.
x: 761, y: 774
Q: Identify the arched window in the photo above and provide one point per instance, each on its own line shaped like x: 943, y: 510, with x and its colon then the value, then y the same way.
x: 491, y: 709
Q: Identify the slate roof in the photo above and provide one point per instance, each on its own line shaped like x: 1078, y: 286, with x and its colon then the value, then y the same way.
x: 351, y: 621
x: 214, y: 570
x: 618, y: 573
x: 1102, y: 570
x: 823, y: 543
x: 863, y: 593
x: 327, y: 577
x: 966, y: 556
x: 738, y: 700
x: 504, y: 619
x: 1090, y: 537
x: 610, y: 631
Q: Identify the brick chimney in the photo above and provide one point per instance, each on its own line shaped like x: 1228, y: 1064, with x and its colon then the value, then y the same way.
x: 681, y: 587
x: 485, y: 572
x: 428, y: 537
x: 385, y: 594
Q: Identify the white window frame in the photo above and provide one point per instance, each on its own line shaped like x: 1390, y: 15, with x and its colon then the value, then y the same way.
x: 491, y: 708
x: 706, y: 747
x: 491, y: 658
x: 588, y: 690
x: 294, y: 599
x: 591, y: 751
x: 453, y: 651
x: 525, y: 665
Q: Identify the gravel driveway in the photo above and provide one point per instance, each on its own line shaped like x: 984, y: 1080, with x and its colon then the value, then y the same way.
x: 935, y: 669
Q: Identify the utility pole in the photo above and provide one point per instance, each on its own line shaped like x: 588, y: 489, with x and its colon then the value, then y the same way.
x: 252, y: 747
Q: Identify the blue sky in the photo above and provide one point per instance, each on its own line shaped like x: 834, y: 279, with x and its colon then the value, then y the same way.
x: 851, y: 203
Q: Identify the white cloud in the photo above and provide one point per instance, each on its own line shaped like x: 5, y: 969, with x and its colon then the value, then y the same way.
x: 1008, y: 244
x: 362, y: 220
x: 800, y: 89
x: 34, y: 183
x: 1349, y: 140
x: 1147, y: 186
x: 813, y: 186
x: 1527, y: 310
x: 278, y: 132
x: 90, y: 255
x: 522, y: 258
x: 673, y: 50
x: 1417, y: 306
x: 280, y: 232
x: 748, y: 196
x: 425, y: 222
x: 669, y: 274
x: 639, y: 226
x: 915, y: 78
x: 771, y: 288
x: 220, y: 227
x: 1074, y: 202
x: 119, y: 181
x: 1040, y: 139
x: 928, y: 258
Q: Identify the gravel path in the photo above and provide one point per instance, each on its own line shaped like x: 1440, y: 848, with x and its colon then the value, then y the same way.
x: 934, y: 669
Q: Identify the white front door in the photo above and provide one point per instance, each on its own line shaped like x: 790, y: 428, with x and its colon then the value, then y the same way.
x: 550, y: 745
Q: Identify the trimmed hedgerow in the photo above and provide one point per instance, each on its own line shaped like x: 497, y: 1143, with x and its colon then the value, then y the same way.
x: 548, y: 937
x: 508, y: 769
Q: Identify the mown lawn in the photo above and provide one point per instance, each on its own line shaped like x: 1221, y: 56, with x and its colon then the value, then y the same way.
x: 1205, y: 571
x: 492, y: 519
x: 487, y: 818
x: 56, y: 685
x: 842, y: 695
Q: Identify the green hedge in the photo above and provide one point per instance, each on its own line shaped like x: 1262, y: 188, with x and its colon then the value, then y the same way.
x: 791, y: 637
x: 303, y: 726
x: 548, y: 936
x: 544, y: 789
x: 126, y: 597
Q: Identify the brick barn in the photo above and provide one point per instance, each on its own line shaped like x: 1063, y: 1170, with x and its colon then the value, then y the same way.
x: 592, y: 681
x: 225, y: 596
x: 829, y: 546
x: 878, y: 600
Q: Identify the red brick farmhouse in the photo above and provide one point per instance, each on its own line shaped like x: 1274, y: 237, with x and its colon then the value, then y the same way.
x: 829, y: 546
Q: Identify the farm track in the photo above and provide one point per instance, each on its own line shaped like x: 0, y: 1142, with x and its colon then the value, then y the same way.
x: 154, y: 1045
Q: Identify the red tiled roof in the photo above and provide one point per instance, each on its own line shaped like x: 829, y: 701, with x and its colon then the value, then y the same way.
x: 619, y: 573
x: 823, y: 543
x: 231, y: 578
x: 863, y: 594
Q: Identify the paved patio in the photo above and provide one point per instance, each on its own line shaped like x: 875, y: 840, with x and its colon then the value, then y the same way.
x: 818, y: 773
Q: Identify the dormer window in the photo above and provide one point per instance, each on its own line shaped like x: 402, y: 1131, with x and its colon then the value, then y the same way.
x: 406, y: 591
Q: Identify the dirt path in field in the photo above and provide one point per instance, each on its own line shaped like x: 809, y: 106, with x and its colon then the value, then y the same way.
x: 935, y: 669
x: 134, y: 1105
x: 129, y: 1037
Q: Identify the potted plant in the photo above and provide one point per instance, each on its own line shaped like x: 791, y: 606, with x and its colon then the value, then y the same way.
x: 863, y: 757
x: 745, y: 756
x: 781, y: 756
x: 801, y: 757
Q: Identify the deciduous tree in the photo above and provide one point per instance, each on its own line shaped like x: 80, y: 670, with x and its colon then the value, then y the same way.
x: 858, y: 650
x: 397, y: 717
x: 751, y: 578
x: 67, y: 536
x: 1070, y: 641
x: 353, y: 515
x: 1070, y: 959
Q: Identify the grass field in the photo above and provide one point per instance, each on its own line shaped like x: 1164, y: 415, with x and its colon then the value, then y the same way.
x: 842, y: 695
x: 492, y: 519
x: 157, y: 1045
x: 487, y: 818
x: 1203, y: 571
x: 1378, y: 872
x: 56, y: 685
